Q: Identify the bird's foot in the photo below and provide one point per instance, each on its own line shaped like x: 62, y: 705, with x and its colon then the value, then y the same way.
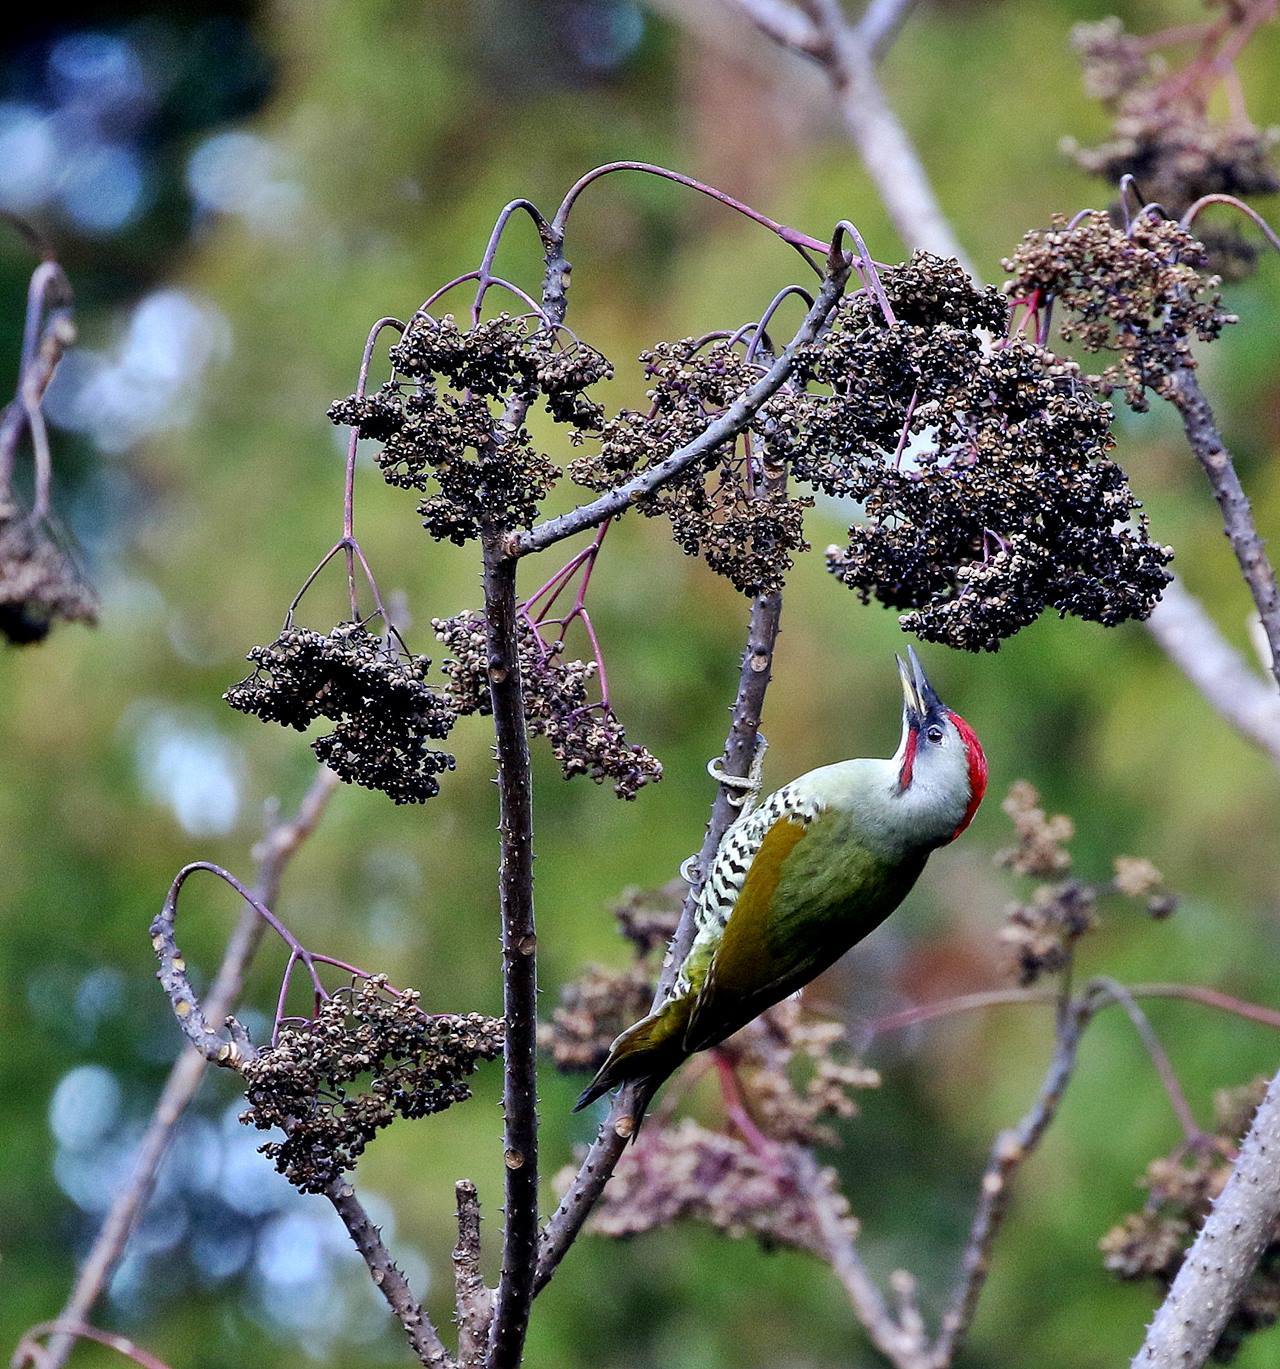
x: 746, y: 788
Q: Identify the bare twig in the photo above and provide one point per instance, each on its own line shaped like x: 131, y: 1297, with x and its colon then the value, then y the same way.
x: 880, y: 22
x: 29, y: 1352
x: 1220, y: 1263
x: 1008, y: 1153
x: 602, y: 1156
x: 1237, y: 516
x: 387, y: 1277
x: 991, y: 998
x: 278, y: 846
x: 902, y: 1344
x: 847, y: 53
x: 48, y: 331
x: 1120, y: 993
x: 472, y: 1296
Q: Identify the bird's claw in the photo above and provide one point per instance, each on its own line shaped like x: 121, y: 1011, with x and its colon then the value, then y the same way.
x: 747, y: 786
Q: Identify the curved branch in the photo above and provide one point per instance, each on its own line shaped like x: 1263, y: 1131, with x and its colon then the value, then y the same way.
x: 730, y: 424
x: 273, y: 854
x: 1237, y: 515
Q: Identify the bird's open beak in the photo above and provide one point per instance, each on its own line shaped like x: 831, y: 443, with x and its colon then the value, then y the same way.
x: 911, y: 709
x: 919, y: 698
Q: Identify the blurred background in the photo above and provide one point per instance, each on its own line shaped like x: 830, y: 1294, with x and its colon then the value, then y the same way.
x: 237, y: 190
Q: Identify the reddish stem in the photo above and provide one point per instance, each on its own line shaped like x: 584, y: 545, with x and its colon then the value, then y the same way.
x: 802, y: 242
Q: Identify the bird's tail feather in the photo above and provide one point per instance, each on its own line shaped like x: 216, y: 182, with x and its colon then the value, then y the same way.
x: 645, y: 1054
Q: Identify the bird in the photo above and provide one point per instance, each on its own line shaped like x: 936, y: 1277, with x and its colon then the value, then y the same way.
x: 800, y: 878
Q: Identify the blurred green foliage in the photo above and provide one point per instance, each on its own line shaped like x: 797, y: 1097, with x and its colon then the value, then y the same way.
x: 406, y: 128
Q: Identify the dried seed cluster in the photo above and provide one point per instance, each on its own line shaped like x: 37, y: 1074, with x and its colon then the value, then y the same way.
x: 983, y: 474
x: 407, y: 1063
x: 648, y: 918
x: 38, y: 583
x: 586, y: 738
x: 687, y: 1172
x: 798, y: 1074
x: 1150, y: 1244
x: 729, y: 509
x: 1139, y: 294
x: 1041, y: 931
x: 1163, y: 136
x: 596, y: 1007
x: 383, y: 710
x: 440, y: 424
x: 593, y: 1010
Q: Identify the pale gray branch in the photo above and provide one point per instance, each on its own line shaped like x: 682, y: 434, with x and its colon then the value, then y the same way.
x: 1218, y: 1266
x: 1193, y: 642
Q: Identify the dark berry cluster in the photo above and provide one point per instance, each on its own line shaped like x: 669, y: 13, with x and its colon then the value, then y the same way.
x: 1163, y: 135
x: 39, y: 585
x: 1139, y: 294
x: 586, y: 738
x: 439, y: 418
x: 1151, y: 1244
x: 687, y: 1172
x: 1040, y: 933
x: 982, y: 472
x: 407, y: 1063
x: 727, y: 509
x: 383, y: 710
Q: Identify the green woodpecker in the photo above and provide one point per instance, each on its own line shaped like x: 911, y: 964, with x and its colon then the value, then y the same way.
x: 801, y: 878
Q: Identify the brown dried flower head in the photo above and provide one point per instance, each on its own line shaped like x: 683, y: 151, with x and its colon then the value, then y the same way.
x: 376, y: 695
x: 370, y: 1055
x: 586, y: 738
x: 686, y: 1172
x: 1139, y: 294
x: 1163, y: 134
x: 39, y: 585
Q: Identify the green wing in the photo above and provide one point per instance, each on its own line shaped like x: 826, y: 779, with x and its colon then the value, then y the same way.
x: 813, y: 891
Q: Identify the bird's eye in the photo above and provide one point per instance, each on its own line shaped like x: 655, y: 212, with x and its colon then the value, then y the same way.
x: 935, y: 734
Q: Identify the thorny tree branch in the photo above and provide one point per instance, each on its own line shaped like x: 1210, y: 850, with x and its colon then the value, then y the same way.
x: 1237, y: 516
x: 740, y: 750
x: 514, y: 1296
x: 1219, y: 1264
x: 236, y: 1050
x: 387, y: 1276
x: 273, y: 853
x: 519, y: 967
x: 474, y: 1301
